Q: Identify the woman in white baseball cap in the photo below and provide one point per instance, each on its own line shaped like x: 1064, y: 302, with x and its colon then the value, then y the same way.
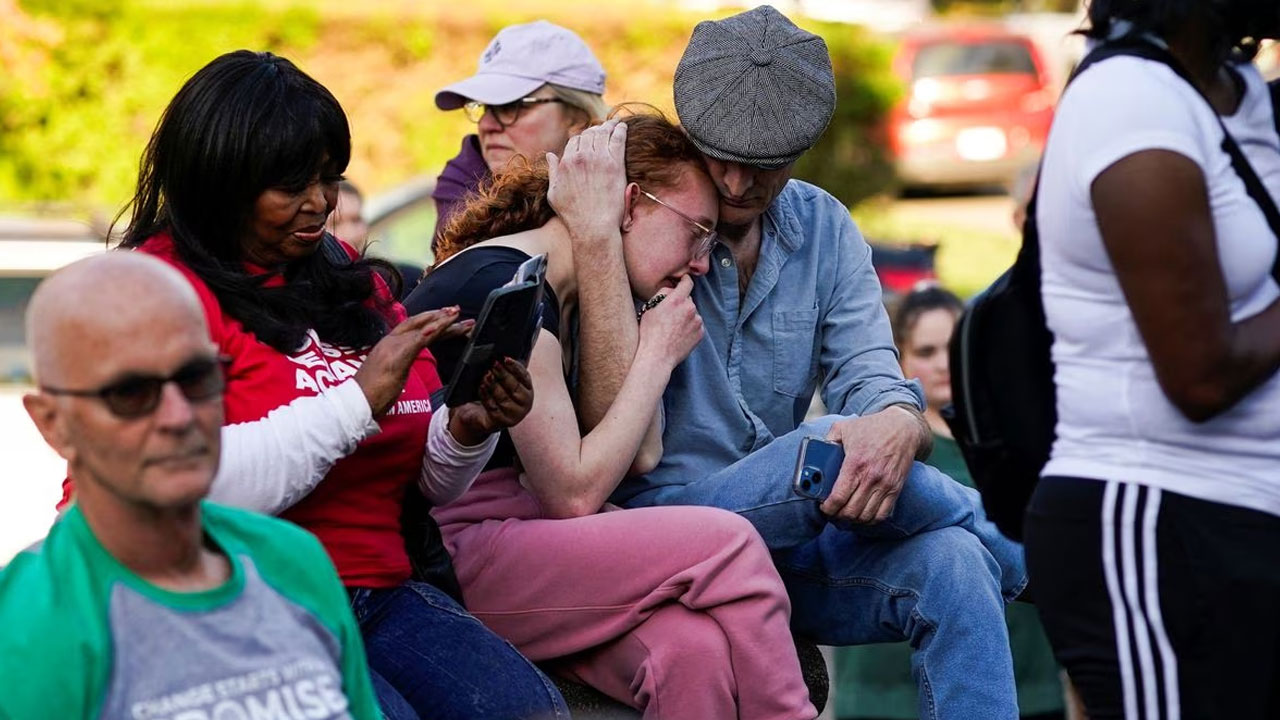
x: 536, y: 86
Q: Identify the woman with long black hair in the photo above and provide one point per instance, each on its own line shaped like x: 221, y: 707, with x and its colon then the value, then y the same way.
x: 1153, y: 539
x: 328, y: 384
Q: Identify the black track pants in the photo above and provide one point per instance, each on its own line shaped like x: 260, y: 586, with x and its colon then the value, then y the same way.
x: 1160, y: 606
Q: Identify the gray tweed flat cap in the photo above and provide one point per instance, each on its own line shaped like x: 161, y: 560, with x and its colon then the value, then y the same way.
x: 754, y: 88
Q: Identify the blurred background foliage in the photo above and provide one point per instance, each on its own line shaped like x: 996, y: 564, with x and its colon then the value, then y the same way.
x: 86, y: 80
x: 1001, y: 7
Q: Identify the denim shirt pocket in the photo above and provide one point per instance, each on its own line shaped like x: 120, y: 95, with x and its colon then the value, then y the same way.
x: 794, y: 361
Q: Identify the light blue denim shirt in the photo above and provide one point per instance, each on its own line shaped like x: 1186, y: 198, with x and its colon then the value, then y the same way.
x: 812, y: 314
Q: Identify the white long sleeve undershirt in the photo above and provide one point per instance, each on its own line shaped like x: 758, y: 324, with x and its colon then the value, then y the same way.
x: 268, y: 465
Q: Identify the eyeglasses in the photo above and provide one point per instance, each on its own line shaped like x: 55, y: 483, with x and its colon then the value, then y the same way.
x: 706, y: 241
x: 137, y: 395
x: 506, y: 114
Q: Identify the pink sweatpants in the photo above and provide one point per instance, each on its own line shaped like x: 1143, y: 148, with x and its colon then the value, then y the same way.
x: 677, y: 611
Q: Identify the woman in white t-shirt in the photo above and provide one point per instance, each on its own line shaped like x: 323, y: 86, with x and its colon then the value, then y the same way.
x: 1153, y: 540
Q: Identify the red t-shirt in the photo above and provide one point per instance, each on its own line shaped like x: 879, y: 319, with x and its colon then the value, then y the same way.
x: 355, y: 510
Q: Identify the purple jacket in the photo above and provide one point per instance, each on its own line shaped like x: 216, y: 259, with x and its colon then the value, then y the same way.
x: 461, y: 176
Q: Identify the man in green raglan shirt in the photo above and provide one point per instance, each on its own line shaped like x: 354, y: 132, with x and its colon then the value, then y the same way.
x: 145, y: 603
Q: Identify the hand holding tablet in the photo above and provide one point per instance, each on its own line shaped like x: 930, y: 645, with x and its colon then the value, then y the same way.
x: 507, y: 326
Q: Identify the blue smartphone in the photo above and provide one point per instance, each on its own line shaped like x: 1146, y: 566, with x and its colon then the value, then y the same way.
x: 817, y: 468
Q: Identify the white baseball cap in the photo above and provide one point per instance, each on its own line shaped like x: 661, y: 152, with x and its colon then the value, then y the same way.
x: 523, y: 58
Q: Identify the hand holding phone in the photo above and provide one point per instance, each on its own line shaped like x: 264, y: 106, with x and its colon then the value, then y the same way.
x: 506, y: 396
x: 507, y: 326
x: 817, y: 468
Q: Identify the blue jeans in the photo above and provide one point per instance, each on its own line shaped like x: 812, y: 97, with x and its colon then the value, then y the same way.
x: 936, y: 573
x: 429, y: 658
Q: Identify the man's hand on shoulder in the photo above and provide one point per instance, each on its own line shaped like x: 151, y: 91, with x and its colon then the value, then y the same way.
x: 878, y: 452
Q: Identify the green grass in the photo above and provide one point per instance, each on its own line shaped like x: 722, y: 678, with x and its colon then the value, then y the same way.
x: 968, y: 258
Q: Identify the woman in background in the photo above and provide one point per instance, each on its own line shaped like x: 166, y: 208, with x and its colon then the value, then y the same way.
x: 537, y: 85
x: 874, y: 681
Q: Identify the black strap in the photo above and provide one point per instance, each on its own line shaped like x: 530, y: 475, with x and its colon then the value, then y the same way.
x: 1252, y: 183
x: 1138, y: 47
x: 1275, y: 102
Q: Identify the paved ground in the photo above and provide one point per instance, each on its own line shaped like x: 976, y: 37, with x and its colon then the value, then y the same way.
x: 988, y: 213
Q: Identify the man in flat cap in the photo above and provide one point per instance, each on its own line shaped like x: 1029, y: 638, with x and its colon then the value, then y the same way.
x: 791, y: 301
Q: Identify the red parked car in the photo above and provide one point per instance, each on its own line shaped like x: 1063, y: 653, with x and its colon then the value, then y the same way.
x: 977, y: 110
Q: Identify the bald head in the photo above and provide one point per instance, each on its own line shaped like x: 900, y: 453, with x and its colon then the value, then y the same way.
x: 102, y: 332
x: 88, y: 305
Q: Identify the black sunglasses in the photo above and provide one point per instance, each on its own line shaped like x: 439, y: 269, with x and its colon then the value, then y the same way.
x: 134, y: 396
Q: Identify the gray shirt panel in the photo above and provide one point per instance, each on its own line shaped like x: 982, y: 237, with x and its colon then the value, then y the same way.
x: 257, y: 657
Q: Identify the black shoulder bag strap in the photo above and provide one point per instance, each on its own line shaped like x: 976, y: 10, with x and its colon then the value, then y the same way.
x: 1252, y: 183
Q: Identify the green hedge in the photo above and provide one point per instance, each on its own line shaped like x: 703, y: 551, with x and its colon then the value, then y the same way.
x: 94, y: 76
x: 851, y: 160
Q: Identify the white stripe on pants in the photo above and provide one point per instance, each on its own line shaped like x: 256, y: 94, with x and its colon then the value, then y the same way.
x: 1135, y: 603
